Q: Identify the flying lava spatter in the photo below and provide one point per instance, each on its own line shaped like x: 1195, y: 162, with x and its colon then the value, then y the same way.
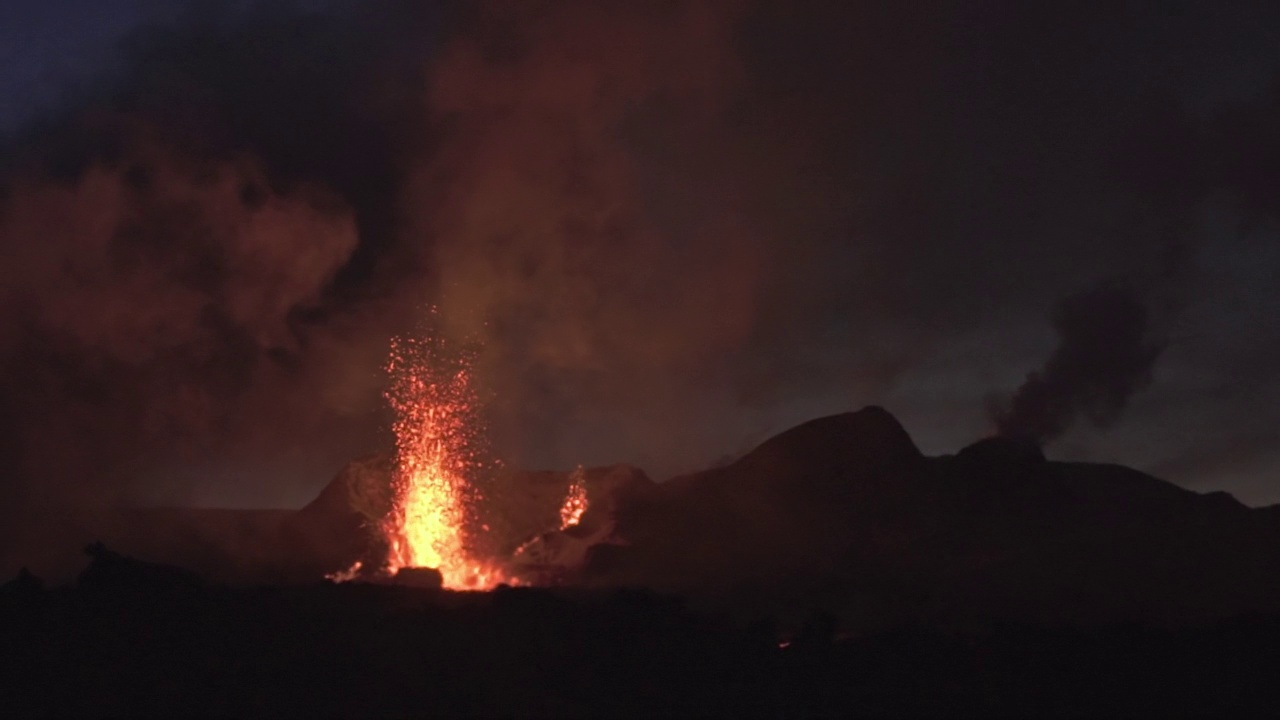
x: 437, y: 431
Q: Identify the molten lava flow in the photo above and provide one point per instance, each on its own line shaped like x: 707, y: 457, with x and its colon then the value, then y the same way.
x: 436, y: 433
x: 575, y: 502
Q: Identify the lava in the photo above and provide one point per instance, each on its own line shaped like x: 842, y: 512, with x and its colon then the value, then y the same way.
x: 575, y: 502
x: 437, y: 433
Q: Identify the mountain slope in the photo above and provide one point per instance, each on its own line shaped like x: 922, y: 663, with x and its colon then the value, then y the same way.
x: 845, y: 510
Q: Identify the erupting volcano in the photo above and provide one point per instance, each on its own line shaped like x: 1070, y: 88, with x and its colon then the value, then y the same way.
x: 433, y: 514
x: 437, y: 457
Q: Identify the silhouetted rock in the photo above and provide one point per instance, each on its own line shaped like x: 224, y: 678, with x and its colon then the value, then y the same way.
x: 523, y: 505
x: 605, y: 560
x: 841, y: 512
x: 419, y: 577
x: 23, y: 586
x: 1006, y: 457
x: 787, y: 508
x: 844, y: 510
x: 224, y: 545
x: 861, y: 441
x: 112, y: 571
x: 340, y: 526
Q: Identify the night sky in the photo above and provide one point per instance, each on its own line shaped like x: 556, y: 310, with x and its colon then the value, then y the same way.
x: 676, y: 227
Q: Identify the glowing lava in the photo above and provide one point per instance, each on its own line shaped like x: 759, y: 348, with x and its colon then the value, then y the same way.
x: 437, y: 432
x: 575, y: 502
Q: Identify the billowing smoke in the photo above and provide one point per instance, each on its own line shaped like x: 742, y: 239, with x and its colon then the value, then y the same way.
x: 189, y: 285
x: 553, y: 235
x: 664, y: 220
x: 142, y: 302
x: 1105, y: 354
x: 207, y: 256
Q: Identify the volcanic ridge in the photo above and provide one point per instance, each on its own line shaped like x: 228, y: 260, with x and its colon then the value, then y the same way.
x: 842, y: 513
x: 833, y: 570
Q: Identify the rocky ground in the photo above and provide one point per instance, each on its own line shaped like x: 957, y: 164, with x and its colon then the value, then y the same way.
x: 134, y: 639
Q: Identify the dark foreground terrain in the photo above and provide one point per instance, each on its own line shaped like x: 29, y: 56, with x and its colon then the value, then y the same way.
x: 832, y: 571
x: 139, y: 640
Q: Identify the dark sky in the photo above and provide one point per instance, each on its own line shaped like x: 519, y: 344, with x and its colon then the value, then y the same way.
x: 678, y: 228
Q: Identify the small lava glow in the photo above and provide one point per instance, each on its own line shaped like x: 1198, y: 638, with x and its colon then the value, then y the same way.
x: 575, y: 502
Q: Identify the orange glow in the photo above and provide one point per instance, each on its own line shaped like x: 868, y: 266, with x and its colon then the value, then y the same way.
x: 347, y: 575
x: 436, y: 430
x: 575, y: 502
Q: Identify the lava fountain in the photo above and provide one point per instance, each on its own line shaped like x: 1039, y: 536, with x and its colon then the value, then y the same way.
x: 438, y: 434
x: 575, y: 501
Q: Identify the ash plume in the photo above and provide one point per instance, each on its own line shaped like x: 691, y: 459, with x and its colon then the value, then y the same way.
x: 191, y: 267
x: 543, y: 204
x: 1105, y: 354
x: 669, y: 223
x: 210, y: 251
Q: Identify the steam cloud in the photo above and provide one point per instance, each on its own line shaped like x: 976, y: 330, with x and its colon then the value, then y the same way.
x: 1105, y: 354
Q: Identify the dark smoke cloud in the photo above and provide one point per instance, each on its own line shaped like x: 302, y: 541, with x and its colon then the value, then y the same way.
x: 672, y: 223
x: 194, y: 275
x: 549, y: 236
x: 211, y: 249
x: 142, y: 305
x: 1106, y: 352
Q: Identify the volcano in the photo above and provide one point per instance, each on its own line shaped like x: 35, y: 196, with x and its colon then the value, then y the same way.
x: 841, y: 513
x: 834, y: 570
x: 844, y: 511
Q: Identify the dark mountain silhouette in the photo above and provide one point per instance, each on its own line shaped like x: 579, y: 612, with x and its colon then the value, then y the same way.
x: 841, y: 513
x: 832, y: 571
x: 844, y: 512
x: 340, y: 525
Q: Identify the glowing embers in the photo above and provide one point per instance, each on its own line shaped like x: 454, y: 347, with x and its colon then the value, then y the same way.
x: 575, y: 501
x: 438, y: 440
x: 347, y: 575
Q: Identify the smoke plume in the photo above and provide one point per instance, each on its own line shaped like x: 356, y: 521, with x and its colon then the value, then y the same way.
x: 543, y: 204
x: 208, y: 254
x: 189, y: 283
x: 1105, y: 354
x: 668, y: 223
